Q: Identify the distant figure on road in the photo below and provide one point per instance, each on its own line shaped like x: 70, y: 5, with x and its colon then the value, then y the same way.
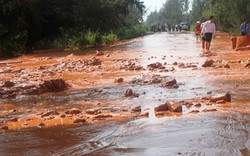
x: 244, y: 28
x: 209, y: 31
x: 198, y: 31
x: 176, y: 27
x: 202, y: 38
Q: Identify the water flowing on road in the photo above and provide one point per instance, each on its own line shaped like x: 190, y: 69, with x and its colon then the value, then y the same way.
x: 224, y: 132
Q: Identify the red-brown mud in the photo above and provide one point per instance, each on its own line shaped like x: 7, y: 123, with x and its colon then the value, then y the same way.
x: 108, y: 103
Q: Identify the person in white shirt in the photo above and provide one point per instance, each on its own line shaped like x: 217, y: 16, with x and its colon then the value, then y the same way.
x: 202, y: 38
x: 208, y: 30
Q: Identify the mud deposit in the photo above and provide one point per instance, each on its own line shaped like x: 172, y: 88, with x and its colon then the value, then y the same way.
x: 156, y: 95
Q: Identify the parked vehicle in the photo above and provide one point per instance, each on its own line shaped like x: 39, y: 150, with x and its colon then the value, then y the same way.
x: 184, y: 26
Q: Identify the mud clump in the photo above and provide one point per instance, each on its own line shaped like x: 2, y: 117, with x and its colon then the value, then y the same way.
x: 49, y: 113
x: 54, y: 85
x: 102, y: 116
x: 221, y: 97
x: 130, y: 65
x: 94, y: 62
x: 226, y: 66
x: 208, y: 63
x: 170, y: 83
x: 15, y: 119
x: 36, y: 88
x: 220, y: 102
x: 119, y: 80
x: 247, y: 65
x: 99, y: 53
x: 41, y: 125
x: 144, y: 115
x: 162, y: 107
x: 73, y: 111
x: 174, y: 106
x: 4, y: 128
x: 170, y: 106
x: 155, y: 79
x: 209, y: 110
x: 79, y: 120
x: 8, y: 84
x: 195, y: 111
x: 154, y: 66
x: 92, y: 111
x: 187, y: 65
x: 130, y: 93
x: 137, y: 109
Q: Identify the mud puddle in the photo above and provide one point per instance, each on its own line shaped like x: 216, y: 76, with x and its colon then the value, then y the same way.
x: 112, y: 96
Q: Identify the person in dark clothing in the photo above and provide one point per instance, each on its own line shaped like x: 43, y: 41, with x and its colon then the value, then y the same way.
x: 244, y: 28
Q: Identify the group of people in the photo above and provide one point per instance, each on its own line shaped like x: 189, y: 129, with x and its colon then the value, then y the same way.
x: 164, y: 27
x: 158, y: 27
x: 206, y: 31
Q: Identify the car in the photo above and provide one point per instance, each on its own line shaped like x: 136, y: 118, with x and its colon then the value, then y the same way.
x: 184, y: 26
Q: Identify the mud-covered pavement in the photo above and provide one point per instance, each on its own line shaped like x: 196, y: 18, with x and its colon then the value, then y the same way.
x: 156, y: 95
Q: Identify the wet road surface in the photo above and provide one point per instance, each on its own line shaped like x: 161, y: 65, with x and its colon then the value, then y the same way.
x: 224, y: 132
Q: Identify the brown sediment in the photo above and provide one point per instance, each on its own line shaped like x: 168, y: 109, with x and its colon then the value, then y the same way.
x: 83, y: 72
x: 151, y: 75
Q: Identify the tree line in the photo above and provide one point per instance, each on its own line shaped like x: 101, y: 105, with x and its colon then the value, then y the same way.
x: 26, y: 25
x: 172, y: 12
x: 229, y: 13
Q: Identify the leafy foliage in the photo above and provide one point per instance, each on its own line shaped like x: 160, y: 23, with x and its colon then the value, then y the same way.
x: 71, y: 22
x: 133, y: 31
x: 229, y: 13
x: 109, y: 38
x: 173, y: 12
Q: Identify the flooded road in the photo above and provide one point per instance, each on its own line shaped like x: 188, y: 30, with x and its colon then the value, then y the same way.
x: 222, y: 131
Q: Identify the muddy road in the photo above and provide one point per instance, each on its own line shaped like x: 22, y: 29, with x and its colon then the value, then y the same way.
x: 114, y: 101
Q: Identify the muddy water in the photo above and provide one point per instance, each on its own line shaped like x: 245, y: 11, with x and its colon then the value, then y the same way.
x: 218, y: 133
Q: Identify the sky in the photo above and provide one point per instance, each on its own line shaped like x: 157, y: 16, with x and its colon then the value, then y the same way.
x: 153, y: 5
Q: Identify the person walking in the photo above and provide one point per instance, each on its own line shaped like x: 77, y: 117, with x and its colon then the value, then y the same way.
x: 198, y: 31
x: 202, y: 38
x: 244, y: 28
x: 209, y: 31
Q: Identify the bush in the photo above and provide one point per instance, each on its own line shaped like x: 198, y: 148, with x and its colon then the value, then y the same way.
x: 12, y: 45
x: 83, y: 39
x: 133, y: 31
x: 65, y: 39
x: 76, y: 37
x: 90, y: 38
x: 109, y: 38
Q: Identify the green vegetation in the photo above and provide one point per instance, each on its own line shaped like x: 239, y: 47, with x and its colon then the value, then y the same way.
x: 133, y: 31
x: 173, y: 12
x: 229, y: 14
x: 109, y: 38
x: 27, y: 25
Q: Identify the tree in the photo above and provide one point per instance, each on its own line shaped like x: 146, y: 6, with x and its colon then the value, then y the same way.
x: 172, y: 12
x: 229, y: 13
x: 24, y: 23
x: 30, y: 21
x: 153, y: 18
